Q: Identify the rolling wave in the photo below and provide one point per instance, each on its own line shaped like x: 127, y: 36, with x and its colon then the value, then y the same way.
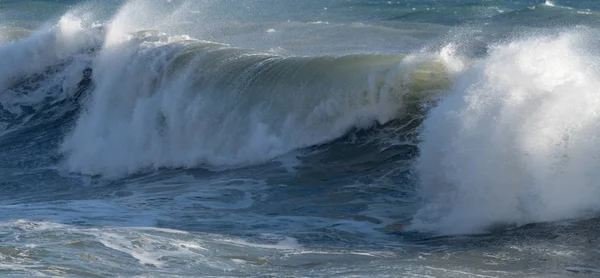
x: 153, y: 100
x: 185, y: 103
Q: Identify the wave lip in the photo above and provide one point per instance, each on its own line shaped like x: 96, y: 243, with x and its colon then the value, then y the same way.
x: 44, y: 48
x: 41, y: 69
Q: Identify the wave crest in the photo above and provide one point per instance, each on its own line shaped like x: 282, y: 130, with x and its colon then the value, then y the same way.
x: 163, y: 101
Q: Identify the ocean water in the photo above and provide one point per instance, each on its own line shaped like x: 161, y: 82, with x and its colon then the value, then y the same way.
x: 313, y: 138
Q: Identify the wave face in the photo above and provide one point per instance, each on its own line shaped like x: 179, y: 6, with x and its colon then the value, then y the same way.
x: 163, y: 101
x: 156, y: 100
x: 516, y: 140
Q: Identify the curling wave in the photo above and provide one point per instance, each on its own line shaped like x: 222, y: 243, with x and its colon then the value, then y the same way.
x: 167, y: 101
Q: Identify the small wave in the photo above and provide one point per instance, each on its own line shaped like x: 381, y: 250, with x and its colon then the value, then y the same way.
x: 547, y: 14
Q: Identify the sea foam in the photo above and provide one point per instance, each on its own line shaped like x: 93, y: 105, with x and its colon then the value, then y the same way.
x: 516, y: 140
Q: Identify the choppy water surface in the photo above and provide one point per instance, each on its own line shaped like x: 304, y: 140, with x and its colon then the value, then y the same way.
x: 338, y: 138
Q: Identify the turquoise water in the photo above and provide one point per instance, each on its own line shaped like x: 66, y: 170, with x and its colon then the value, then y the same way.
x: 268, y: 138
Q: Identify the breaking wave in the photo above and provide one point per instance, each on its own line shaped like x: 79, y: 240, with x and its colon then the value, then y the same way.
x: 516, y: 139
x: 153, y: 100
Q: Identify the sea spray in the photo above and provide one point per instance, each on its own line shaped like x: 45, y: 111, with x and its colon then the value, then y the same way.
x: 46, y: 47
x: 516, y: 140
x: 42, y: 69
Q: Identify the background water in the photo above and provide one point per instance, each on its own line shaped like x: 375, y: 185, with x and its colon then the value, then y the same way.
x: 280, y: 138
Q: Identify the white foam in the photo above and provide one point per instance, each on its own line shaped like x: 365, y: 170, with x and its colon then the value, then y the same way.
x: 286, y: 243
x: 160, y: 251
x: 144, y: 249
x: 43, y: 48
x: 451, y: 60
x: 29, y: 225
x: 516, y: 141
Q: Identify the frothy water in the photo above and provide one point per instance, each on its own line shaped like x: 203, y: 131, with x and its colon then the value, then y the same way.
x: 339, y: 138
x: 515, y: 141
